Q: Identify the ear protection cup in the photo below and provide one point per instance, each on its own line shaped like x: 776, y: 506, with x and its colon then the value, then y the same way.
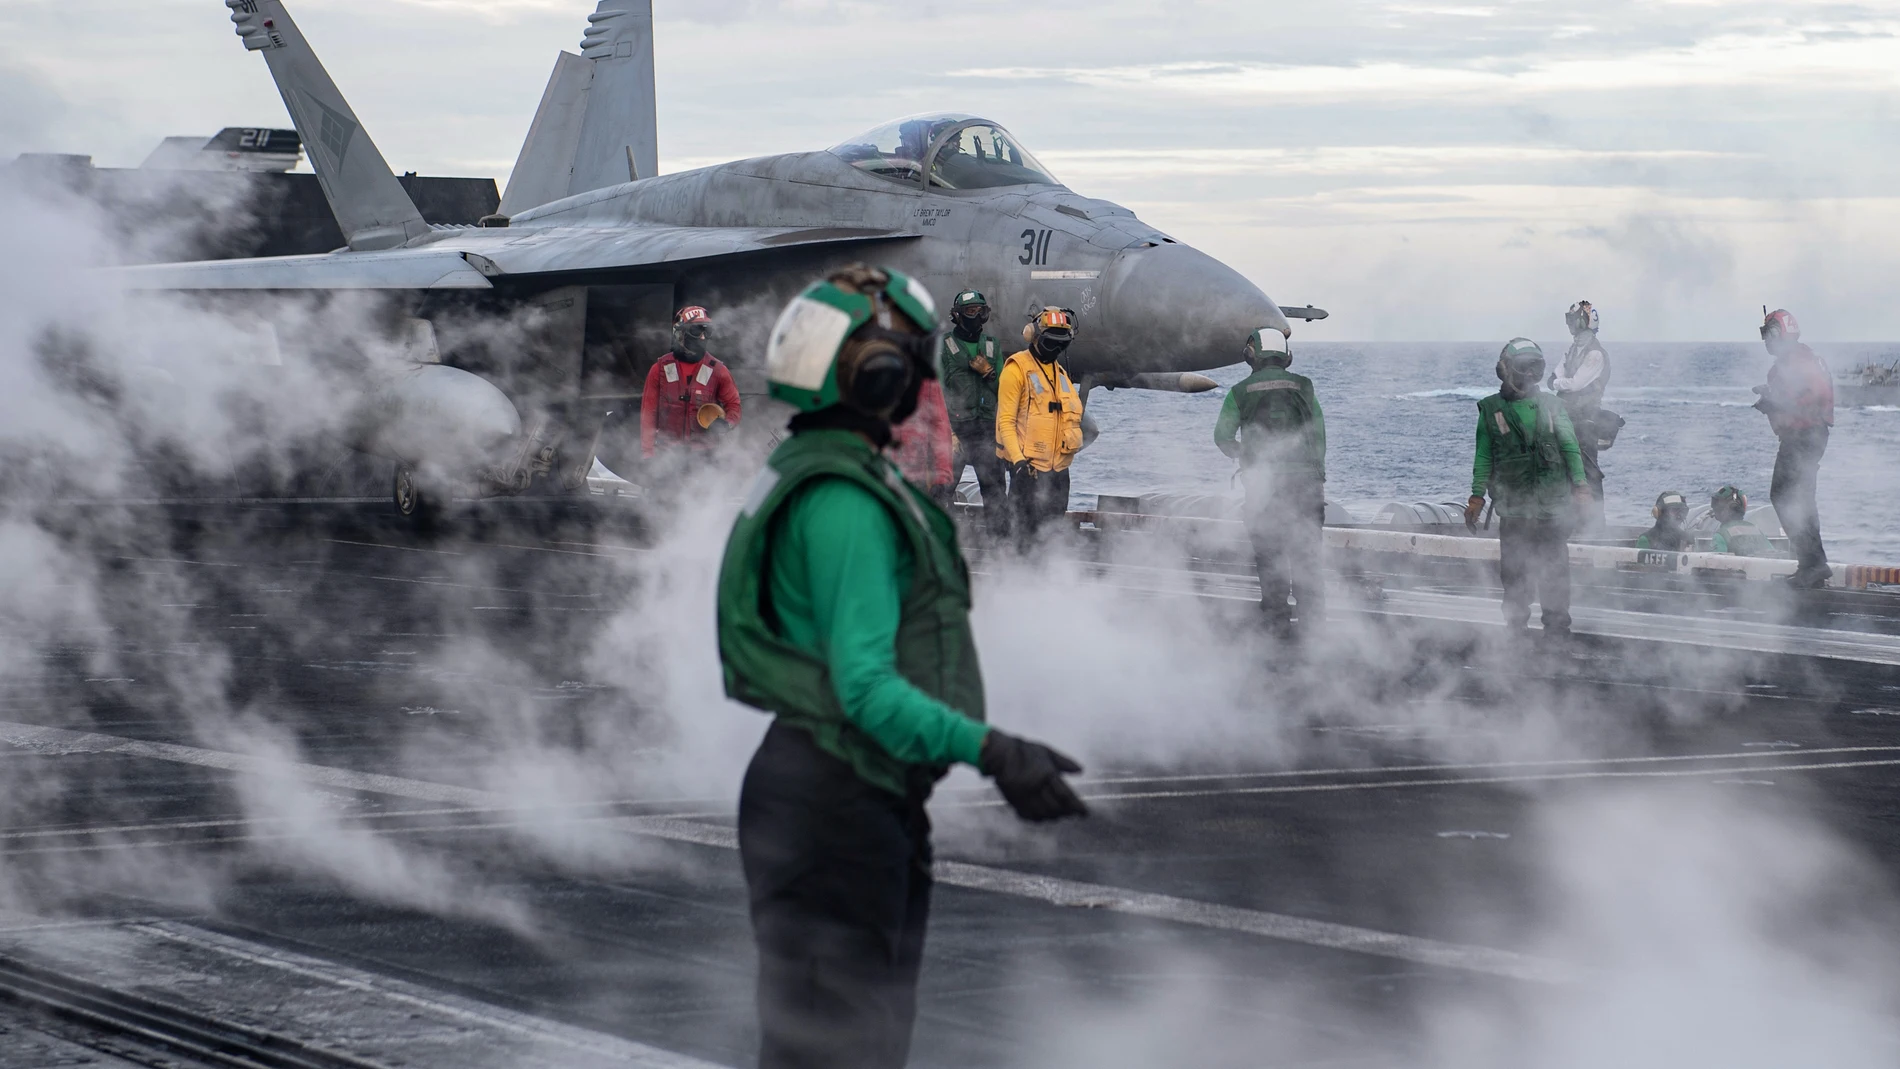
x: 876, y: 375
x: 1029, y: 333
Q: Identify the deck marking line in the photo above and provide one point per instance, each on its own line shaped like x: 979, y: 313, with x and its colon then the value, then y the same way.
x: 1053, y: 890
x: 1746, y: 755
x: 1546, y: 777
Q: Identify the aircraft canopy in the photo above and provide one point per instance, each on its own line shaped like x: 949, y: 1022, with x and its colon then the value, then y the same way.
x: 959, y: 151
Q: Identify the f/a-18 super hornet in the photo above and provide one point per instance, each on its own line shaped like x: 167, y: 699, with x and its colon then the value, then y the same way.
x: 532, y: 332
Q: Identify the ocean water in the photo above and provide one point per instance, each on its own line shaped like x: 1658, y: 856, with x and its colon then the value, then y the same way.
x: 1401, y: 418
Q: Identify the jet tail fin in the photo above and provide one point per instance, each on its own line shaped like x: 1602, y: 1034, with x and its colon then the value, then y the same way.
x: 370, y: 205
x: 596, y: 126
x: 544, y: 171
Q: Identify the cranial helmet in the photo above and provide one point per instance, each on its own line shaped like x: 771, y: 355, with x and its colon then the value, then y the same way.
x: 1779, y: 325
x: 1521, y: 362
x: 1268, y: 346
x: 1729, y: 504
x: 864, y: 337
x: 1582, y: 316
x: 970, y: 311
x: 1050, y: 331
x: 1670, y: 501
x: 691, y: 327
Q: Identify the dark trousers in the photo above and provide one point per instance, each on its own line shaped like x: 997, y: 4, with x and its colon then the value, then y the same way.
x: 976, y: 446
x: 1038, y: 498
x: 838, y: 873
x: 1592, y: 518
x: 1583, y: 417
x: 1533, y: 561
x: 1797, y: 471
x: 1284, y: 521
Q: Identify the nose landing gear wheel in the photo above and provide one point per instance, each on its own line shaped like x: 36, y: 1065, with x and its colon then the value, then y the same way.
x: 414, y: 503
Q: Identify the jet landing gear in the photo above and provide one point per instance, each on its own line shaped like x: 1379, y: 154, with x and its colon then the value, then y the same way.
x: 415, y: 501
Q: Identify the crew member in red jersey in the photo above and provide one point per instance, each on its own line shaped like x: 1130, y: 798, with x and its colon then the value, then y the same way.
x: 690, y: 399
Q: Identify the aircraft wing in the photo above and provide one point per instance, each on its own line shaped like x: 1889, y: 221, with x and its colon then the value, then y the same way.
x: 392, y: 269
x: 472, y: 259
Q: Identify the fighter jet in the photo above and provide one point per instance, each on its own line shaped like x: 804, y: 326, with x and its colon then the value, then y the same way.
x: 537, y: 326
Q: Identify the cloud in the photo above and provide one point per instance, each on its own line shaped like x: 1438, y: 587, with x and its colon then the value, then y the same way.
x: 1438, y: 127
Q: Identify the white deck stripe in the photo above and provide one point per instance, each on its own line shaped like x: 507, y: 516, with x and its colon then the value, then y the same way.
x: 1555, y: 762
x: 1052, y: 890
x: 1464, y: 781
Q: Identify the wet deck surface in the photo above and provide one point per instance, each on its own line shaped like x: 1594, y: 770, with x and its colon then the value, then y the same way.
x: 440, y: 763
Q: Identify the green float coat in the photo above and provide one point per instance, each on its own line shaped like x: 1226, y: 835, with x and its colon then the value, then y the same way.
x: 844, y: 608
x: 1527, y: 456
x: 966, y: 394
x: 1238, y: 432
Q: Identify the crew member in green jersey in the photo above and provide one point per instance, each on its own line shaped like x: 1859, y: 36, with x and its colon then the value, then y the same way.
x: 1527, y: 460
x: 1733, y: 533
x: 1671, y: 531
x: 972, y: 360
x: 1271, y: 422
x: 844, y: 609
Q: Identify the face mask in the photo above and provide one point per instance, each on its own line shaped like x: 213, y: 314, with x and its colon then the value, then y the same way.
x: 970, y: 326
x: 1049, y: 348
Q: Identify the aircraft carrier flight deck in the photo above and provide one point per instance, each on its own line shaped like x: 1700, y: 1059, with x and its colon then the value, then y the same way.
x: 387, y: 833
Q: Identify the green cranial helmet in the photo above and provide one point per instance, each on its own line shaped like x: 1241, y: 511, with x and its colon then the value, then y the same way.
x: 801, y: 361
x: 1522, y: 360
x: 969, y: 297
x: 1729, y: 503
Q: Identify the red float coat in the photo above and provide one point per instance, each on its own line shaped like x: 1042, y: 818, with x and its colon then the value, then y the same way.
x: 920, y: 445
x: 1800, y: 392
x: 675, y: 390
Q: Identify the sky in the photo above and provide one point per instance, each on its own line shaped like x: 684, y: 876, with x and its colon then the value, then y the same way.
x: 1425, y: 171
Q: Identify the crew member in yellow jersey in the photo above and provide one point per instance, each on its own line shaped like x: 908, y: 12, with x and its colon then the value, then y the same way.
x: 1039, y: 422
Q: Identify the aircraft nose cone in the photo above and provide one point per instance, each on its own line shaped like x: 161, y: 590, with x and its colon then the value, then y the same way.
x: 1174, y: 308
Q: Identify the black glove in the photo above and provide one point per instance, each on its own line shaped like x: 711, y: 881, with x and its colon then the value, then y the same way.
x: 1022, y: 469
x: 1030, y: 776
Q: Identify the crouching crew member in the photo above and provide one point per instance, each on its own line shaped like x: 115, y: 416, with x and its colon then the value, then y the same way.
x: 1527, y: 460
x: 1733, y: 533
x: 690, y: 398
x: 843, y: 609
x: 1671, y: 530
x: 1039, y: 422
x: 972, y: 363
x: 1272, y: 423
